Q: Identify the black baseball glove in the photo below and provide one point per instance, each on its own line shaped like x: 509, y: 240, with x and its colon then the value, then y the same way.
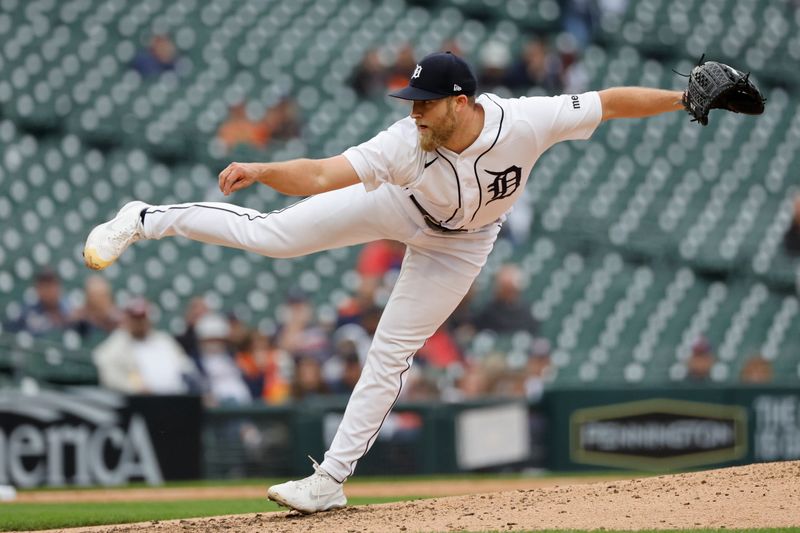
x: 715, y: 85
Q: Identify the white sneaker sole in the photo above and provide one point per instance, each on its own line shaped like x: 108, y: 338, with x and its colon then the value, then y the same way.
x: 91, y: 257
x: 277, y: 498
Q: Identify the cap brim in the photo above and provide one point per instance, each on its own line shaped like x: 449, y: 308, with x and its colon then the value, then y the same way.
x: 414, y: 93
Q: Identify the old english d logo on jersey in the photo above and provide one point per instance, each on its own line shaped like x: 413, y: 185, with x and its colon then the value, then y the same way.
x: 505, y: 183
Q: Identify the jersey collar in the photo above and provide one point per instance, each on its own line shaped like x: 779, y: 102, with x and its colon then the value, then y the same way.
x: 491, y: 123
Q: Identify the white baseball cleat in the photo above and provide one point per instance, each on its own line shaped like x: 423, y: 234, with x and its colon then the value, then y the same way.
x: 107, y: 241
x: 318, y: 492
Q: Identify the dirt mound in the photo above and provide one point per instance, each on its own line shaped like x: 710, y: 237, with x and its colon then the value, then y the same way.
x: 760, y: 495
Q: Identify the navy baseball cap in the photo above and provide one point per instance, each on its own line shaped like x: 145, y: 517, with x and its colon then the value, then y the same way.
x: 438, y: 76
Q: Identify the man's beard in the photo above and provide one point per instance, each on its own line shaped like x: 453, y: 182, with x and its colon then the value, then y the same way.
x: 436, y: 136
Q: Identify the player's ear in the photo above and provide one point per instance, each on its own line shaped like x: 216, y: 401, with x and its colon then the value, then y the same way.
x: 461, y: 101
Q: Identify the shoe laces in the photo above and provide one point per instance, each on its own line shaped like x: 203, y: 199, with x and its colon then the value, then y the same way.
x: 126, y: 235
x: 314, y: 481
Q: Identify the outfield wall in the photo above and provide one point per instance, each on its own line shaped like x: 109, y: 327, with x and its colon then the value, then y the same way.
x: 86, y: 436
x: 649, y: 430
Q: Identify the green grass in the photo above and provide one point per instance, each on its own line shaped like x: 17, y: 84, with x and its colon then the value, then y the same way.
x: 32, y: 516
x: 266, y: 482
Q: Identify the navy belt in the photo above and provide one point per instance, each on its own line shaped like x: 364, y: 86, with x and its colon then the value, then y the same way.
x: 430, y: 221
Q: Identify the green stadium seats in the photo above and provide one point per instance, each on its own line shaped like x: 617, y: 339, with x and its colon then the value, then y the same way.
x: 646, y: 237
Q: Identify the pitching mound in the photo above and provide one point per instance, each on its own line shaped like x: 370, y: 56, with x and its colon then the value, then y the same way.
x: 760, y: 495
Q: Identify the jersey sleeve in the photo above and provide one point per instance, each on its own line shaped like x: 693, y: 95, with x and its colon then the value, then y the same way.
x: 567, y: 117
x: 389, y: 157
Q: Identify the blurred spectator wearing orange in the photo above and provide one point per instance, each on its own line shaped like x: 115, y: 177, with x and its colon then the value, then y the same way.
x: 267, y: 369
x: 137, y: 359
x: 280, y: 122
x: 157, y: 58
x: 756, y: 371
x: 99, y: 315
x: 48, y: 313
x: 240, y: 130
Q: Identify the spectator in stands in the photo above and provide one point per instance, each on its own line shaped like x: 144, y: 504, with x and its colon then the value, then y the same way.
x: 370, y: 78
x: 422, y: 386
x: 348, y: 374
x: 240, y: 335
x: 580, y: 18
x: 157, y: 58
x: 441, y: 349
x: 791, y: 239
x: 462, y: 322
x: 756, y: 370
x: 397, y: 77
x: 346, y: 348
x: 188, y: 339
x: 224, y: 383
x: 280, y: 122
x: 299, y: 333
x: 537, y: 370
x: 507, y: 312
x: 495, y: 58
x: 49, y: 312
x: 700, y: 361
x: 379, y: 257
x: 375, y: 260
x: 452, y: 45
x: 475, y: 382
x: 528, y: 382
x: 308, y: 382
x: 136, y: 359
x: 574, y: 76
x: 239, y: 129
x: 267, y: 369
x: 99, y: 315
x: 537, y: 67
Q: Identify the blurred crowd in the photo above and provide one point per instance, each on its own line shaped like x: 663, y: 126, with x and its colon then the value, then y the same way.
x: 229, y: 362
x: 547, y: 63
x: 540, y: 64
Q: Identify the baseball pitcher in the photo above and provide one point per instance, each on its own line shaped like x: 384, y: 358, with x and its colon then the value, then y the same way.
x: 440, y: 180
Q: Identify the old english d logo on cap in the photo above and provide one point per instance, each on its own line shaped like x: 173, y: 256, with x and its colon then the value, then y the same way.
x: 438, y: 76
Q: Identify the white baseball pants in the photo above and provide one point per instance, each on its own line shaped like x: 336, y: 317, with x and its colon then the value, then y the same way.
x: 437, y: 271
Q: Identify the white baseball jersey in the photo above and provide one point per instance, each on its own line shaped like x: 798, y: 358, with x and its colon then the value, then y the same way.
x: 464, y: 193
x: 477, y: 187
